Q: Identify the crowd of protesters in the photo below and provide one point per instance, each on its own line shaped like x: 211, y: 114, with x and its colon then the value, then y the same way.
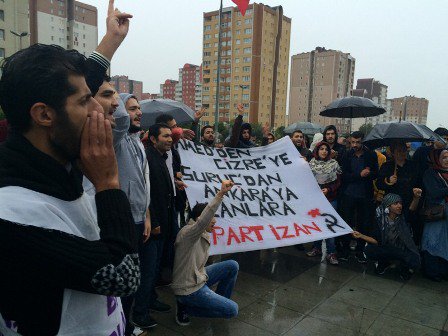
x: 92, y: 217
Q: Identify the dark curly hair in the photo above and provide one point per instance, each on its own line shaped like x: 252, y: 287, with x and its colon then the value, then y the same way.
x: 38, y: 74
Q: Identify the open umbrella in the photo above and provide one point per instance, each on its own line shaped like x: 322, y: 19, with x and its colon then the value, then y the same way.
x: 352, y: 107
x: 152, y: 108
x: 384, y: 134
x: 306, y: 127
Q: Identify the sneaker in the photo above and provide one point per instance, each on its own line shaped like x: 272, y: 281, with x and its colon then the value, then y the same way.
x: 144, y: 322
x: 331, y: 258
x: 314, y: 253
x: 361, y: 257
x: 381, y: 267
x: 137, y: 331
x: 182, y: 318
x: 160, y: 307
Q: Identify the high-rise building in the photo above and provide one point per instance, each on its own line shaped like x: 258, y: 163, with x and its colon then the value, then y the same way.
x: 410, y: 108
x: 317, y: 78
x: 254, y: 64
x: 168, y: 89
x: 377, y: 92
x: 147, y: 95
x: 67, y: 23
x: 125, y: 85
x: 14, y: 26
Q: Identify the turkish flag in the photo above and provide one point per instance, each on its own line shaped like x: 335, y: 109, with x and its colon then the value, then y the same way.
x: 242, y: 5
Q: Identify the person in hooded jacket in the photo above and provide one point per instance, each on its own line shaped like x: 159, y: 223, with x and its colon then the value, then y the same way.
x: 331, y: 137
x: 328, y: 175
x: 241, y: 132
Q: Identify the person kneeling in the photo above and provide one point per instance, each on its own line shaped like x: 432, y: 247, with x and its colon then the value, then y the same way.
x: 392, y: 239
x: 191, y: 279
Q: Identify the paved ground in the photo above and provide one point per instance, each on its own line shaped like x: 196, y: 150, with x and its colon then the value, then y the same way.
x: 283, y: 292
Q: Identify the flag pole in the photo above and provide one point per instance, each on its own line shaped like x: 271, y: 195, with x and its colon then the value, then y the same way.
x: 218, y: 71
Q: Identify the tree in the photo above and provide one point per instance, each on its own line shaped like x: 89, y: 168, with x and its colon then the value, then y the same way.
x: 2, y: 115
x: 279, y: 132
x: 366, y: 128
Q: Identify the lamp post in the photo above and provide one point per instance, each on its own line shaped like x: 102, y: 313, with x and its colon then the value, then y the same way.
x: 20, y: 36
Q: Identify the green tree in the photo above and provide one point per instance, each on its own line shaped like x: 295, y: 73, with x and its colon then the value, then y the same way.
x: 279, y: 132
x: 366, y: 128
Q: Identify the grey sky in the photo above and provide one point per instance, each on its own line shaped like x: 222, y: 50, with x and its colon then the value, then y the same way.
x: 402, y: 43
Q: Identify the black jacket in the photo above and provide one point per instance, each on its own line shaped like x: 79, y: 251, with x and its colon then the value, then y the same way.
x: 162, y: 195
x: 370, y: 160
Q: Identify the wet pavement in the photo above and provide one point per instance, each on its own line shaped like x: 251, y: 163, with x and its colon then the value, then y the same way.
x: 283, y: 292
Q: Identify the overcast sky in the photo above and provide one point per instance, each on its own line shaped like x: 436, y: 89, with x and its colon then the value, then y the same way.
x: 402, y: 43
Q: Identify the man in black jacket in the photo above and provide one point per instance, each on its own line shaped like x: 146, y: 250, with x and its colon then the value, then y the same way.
x: 331, y: 137
x: 359, y: 170
x: 65, y: 254
x: 162, y: 212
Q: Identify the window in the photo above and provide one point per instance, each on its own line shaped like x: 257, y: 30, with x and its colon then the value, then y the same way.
x: 247, y: 40
x: 238, y: 23
x: 237, y: 60
x: 207, y: 37
x: 207, y: 28
x: 248, y: 31
x: 2, y: 52
x: 237, y: 32
x: 2, y: 34
x: 248, y: 21
x: 247, y: 50
x: 245, y: 96
x: 246, y: 59
x: 238, y: 42
x: 207, y: 45
x: 246, y: 78
x: 246, y: 69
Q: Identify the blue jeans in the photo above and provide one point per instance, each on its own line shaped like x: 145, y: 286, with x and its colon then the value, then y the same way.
x: 150, y: 254
x: 207, y: 303
x: 331, y: 245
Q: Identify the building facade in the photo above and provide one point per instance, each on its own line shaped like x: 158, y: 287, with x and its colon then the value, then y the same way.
x: 67, y: 23
x: 377, y: 92
x: 125, y: 85
x: 14, y: 17
x: 254, y: 64
x: 147, y: 95
x: 168, y: 89
x: 317, y: 78
x: 410, y: 108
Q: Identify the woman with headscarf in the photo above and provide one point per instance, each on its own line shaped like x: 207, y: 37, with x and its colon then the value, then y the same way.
x: 391, y: 237
x: 328, y: 175
x: 435, y: 234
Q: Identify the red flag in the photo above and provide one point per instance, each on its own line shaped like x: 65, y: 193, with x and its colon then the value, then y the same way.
x: 242, y: 5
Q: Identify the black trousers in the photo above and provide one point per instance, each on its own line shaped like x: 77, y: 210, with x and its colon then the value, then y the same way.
x: 386, y: 253
x: 363, y: 209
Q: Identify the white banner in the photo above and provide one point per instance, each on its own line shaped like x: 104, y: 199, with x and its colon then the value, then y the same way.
x: 276, y: 200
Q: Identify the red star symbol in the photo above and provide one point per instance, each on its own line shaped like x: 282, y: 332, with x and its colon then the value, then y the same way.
x: 314, y: 213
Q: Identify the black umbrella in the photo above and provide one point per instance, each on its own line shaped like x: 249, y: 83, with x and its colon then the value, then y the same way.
x: 152, y: 108
x: 384, y: 134
x: 306, y: 127
x: 352, y: 107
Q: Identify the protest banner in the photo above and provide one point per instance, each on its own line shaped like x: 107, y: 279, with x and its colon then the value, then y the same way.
x: 275, y: 202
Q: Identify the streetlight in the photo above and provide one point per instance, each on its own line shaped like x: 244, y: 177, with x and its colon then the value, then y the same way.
x: 20, y: 36
x: 243, y: 87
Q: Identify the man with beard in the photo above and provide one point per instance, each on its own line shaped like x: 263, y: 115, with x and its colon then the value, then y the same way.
x: 359, y: 170
x: 208, y: 136
x: 134, y: 180
x: 298, y: 140
x: 331, y: 137
x: 241, y: 132
x: 108, y: 98
x: 162, y: 212
x: 67, y: 256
